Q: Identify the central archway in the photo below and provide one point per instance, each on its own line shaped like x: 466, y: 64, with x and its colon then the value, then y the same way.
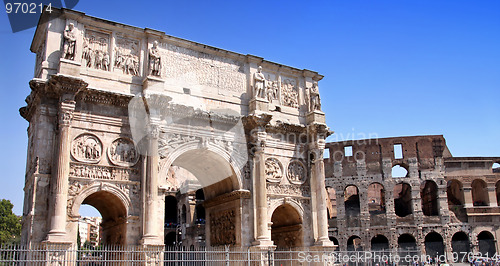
x: 286, y: 229
x: 209, y: 174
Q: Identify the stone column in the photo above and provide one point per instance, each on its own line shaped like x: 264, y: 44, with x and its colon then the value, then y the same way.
x: 263, y: 237
x: 492, y: 196
x: 318, y: 176
x: 150, y: 189
x: 59, y: 181
x: 468, y: 196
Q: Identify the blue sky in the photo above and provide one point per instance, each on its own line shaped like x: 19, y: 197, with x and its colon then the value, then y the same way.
x: 391, y: 68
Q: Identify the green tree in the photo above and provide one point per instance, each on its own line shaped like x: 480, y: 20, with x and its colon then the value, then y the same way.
x: 10, y: 224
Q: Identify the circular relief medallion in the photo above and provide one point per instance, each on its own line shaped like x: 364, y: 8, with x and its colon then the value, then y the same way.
x: 296, y: 173
x: 274, y: 170
x: 86, y: 148
x: 123, y: 152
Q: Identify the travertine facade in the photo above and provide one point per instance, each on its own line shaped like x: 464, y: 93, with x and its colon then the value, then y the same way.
x: 437, y: 204
x: 117, y: 114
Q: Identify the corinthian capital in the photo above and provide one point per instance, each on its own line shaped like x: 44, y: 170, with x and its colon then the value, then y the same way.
x: 65, y: 115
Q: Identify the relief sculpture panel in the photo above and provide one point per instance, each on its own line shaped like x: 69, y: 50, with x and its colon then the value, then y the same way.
x: 274, y: 170
x: 123, y: 152
x: 296, y: 173
x: 86, y: 148
x: 96, y: 50
x: 223, y: 228
x: 127, y: 56
x: 289, y: 92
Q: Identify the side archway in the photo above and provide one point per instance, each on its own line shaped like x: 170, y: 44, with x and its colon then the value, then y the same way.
x: 113, y: 205
x: 286, y: 228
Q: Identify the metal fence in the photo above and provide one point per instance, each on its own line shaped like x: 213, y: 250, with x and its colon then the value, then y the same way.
x: 204, y: 256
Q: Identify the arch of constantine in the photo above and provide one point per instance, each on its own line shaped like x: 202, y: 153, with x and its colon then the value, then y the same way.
x: 179, y: 143
x: 168, y: 137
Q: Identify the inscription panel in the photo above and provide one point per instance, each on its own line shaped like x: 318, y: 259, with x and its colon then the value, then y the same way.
x: 204, y: 69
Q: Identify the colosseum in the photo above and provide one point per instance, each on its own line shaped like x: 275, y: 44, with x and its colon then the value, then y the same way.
x: 410, y: 193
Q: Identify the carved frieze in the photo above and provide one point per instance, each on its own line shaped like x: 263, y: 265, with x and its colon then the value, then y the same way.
x: 223, y: 228
x: 289, y: 190
x: 296, y: 172
x: 274, y: 170
x: 289, y: 93
x: 102, y: 172
x: 86, y: 148
x: 123, y: 152
x: 96, y: 50
x: 168, y: 142
x: 127, y: 55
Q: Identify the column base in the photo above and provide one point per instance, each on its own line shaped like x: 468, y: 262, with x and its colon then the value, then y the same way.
x: 258, y: 105
x: 323, y: 242
x: 56, y: 237
x: 151, y: 241
x: 263, y: 242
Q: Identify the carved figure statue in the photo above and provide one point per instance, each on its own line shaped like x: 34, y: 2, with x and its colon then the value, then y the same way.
x: 289, y: 94
x: 314, y: 100
x: 272, y: 90
x: 69, y: 43
x: 154, y: 60
x: 258, y: 86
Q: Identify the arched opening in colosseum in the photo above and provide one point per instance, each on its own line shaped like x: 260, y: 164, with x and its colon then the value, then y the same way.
x: 460, y: 244
x: 407, y: 242
x: 495, y: 168
x: 286, y: 228
x: 170, y: 239
x: 170, y: 212
x: 331, y: 206
x: 497, y: 192
x: 399, y: 170
x: 434, y: 244
x: 376, y: 199
x: 114, y: 217
x: 456, y: 201
x: 354, y: 243
x: 402, y: 200
x: 335, y: 243
x: 199, y: 211
x: 486, y: 243
x: 376, y: 204
x: 352, y: 206
x: 429, y: 195
x: 379, y: 242
x: 480, y: 195
x: 171, y: 220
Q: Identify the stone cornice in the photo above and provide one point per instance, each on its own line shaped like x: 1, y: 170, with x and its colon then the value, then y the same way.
x: 231, y: 196
x: 281, y: 126
x: 255, y: 121
x: 91, y: 95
